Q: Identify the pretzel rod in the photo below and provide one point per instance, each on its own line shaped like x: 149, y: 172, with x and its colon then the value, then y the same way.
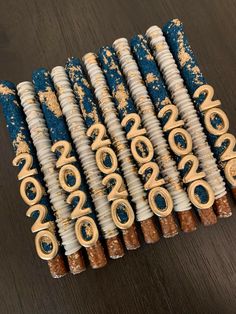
x: 199, y: 191
x: 87, y: 157
x: 144, y: 157
x: 188, y: 113
x: 143, y: 212
x: 105, y: 156
x: 47, y: 159
x: 145, y: 106
x: 212, y: 116
x: 71, y: 176
x: 31, y: 177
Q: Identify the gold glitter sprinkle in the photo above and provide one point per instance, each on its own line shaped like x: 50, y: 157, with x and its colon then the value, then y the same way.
x: 121, y: 96
x: 149, y: 56
x: 50, y: 99
x: 176, y: 22
x: 79, y: 91
x: 4, y: 90
x: 20, y: 144
x: 183, y: 56
x: 150, y: 78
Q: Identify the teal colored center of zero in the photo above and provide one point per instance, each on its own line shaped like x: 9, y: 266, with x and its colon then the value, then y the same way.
x: 160, y: 201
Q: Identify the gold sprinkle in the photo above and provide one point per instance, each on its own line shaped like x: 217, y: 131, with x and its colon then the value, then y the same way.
x: 50, y: 99
x: 4, y: 90
x: 183, y: 56
x: 20, y: 144
x: 176, y: 22
x: 122, y: 96
x: 150, y: 78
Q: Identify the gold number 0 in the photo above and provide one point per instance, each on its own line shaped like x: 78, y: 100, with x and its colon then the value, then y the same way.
x: 46, y: 235
x: 195, y: 200
x: 39, y: 224
x: 149, y: 146
x: 62, y: 178
x: 100, y: 153
x: 129, y: 212
x: 175, y: 148
x: 172, y: 122
x: 38, y: 190
x: 208, y: 103
x: 208, y: 124
x: 26, y: 170
x: 166, y: 195
x: 230, y: 171
x: 65, y: 148
x: 101, y: 132
x: 86, y: 221
x: 134, y: 130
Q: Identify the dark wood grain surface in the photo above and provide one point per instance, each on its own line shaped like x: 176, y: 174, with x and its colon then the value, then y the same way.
x: 192, y: 273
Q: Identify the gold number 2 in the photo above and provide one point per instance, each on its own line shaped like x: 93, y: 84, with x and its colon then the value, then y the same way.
x: 208, y: 103
x: 39, y: 224
x: 101, y: 132
x: 26, y: 170
x: 65, y: 148
x: 134, y: 131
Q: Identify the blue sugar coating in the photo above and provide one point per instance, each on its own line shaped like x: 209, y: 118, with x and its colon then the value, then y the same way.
x: 83, y: 92
x: 150, y: 72
x: 190, y: 71
x: 21, y: 139
x: 116, y: 83
x: 56, y: 124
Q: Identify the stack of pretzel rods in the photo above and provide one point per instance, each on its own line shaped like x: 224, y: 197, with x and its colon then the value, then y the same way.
x: 131, y: 138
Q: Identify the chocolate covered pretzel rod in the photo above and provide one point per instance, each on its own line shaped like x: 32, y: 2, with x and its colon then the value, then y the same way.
x: 212, y: 116
x: 122, y: 212
x: 199, y: 191
x: 141, y: 147
x: 188, y: 113
x: 145, y: 106
x: 47, y: 159
x: 33, y: 190
x: 71, y: 176
x: 77, y: 129
x: 114, y: 128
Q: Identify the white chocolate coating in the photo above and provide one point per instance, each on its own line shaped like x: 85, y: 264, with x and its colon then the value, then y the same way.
x: 47, y: 159
x: 134, y: 184
x: 87, y: 157
x: 151, y: 123
x: 186, y: 109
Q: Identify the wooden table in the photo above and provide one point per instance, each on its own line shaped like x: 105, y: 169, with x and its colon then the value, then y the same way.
x: 192, y: 273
